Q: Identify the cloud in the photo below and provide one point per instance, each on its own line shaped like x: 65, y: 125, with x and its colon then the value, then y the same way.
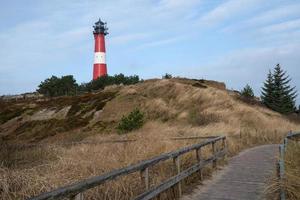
x: 227, y: 10
x: 273, y: 15
x: 160, y: 42
x: 282, y: 27
x: 278, y: 13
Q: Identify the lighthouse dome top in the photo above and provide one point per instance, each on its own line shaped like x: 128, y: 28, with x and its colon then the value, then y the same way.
x: 100, y: 27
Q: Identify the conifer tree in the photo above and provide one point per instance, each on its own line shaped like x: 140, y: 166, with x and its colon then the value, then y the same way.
x: 267, y: 91
x: 277, y: 93
x: 247, y: 92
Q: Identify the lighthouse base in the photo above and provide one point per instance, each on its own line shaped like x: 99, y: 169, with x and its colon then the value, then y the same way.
x: 99, y: 70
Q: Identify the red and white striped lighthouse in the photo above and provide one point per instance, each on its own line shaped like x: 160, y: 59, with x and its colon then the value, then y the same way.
x: 100, y: 68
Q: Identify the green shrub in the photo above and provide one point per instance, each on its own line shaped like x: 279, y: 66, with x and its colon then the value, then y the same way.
x: 167, y: 76
x: 55, y: 86
x: 107, y: 80
x: 247, y: 92
x: 133, y: 121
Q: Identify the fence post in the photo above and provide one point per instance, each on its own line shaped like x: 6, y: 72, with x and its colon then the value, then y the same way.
x: 214, y: 152
x: 198, y: 155
x: 145, y: 178
x: 77, y: 197
x: 224, y: 148
x: 285, y: 143
x: 281, y: 171
x: 177, y: 167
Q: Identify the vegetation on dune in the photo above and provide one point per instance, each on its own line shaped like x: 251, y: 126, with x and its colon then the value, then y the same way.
x: 247, y: 92
x: 104, y: 81
x: 77, y: 112
x: 9, y: 113
x: 291, y: 181
x: 292, y: 160
x: 55, y: 86
x: 202, y: 118
x: 167, y: 76
x: 37, y: 130
x: 67, y: 86
x: 277, y: 94
x: 134, y: 120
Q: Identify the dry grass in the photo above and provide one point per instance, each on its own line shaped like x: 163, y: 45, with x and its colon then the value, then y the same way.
x: 293, y: 171
x: 172, y: 109
x: 56, y: 166
x: 291, y: 182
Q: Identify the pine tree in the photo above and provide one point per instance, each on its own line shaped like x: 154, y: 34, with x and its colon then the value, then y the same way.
x: 267, y: 91
x: 277, y: 93
x: 247, y: 92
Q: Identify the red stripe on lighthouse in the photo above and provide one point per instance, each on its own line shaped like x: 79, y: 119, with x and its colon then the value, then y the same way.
x: 100, y: 68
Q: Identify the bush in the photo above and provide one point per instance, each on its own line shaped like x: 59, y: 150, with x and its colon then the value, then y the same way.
x: 133, y: 121
x: 107, y: 80
x: 167, y: 76
x: 247, y: 92
x: 55, y: 86
x: 67, y: 85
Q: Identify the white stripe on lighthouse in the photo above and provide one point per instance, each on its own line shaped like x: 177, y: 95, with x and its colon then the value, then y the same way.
x: 99, y: 58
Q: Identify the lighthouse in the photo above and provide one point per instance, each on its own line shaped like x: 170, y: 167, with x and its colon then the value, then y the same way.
x: 100, y: 31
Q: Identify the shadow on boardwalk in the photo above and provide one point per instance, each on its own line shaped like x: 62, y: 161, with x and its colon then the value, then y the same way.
x: 244, y: 178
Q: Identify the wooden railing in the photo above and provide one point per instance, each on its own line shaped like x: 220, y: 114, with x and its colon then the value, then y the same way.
x: 281, y: 163
x: 76, y: 190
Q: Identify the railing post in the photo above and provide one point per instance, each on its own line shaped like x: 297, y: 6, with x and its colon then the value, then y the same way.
x: 198, y: 155
x: 77, y: 197
x: 281, y: 171
x: 214, y: 153
x: 177, y: 167
x: 224, y: 148
x: 285, y: 143
x: 145, y: 178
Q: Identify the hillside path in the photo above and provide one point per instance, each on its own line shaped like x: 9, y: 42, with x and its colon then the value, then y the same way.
x: 244, y: 178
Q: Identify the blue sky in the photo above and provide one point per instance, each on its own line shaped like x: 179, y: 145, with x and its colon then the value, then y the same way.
x: 234, y: 41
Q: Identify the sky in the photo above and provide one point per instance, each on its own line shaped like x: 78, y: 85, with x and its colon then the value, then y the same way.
x: 232, y: 41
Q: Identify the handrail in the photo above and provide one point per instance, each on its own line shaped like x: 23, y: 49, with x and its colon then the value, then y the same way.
x: 75, y: 190
x: 292, y: 136
x: 281, y: 163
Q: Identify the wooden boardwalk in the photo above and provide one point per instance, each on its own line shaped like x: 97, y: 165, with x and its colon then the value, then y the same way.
x: 244, y: 178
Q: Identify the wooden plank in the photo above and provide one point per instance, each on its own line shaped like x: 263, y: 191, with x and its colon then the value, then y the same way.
x: 243, y: 179
x: 193, y: 137
x: 198, y: 155
x: 77, y: 197
x: 145, y: 178
x: 293, y: 136
x: 214, y: 163
x: 81, y: 186
x: 175, y: 179
x: 224, y: 147
x: 281, y: 170
x: 177, y: 168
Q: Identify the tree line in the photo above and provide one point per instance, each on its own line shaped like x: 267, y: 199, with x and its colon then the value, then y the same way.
x: 277, y: 93
x: 68, y: 86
